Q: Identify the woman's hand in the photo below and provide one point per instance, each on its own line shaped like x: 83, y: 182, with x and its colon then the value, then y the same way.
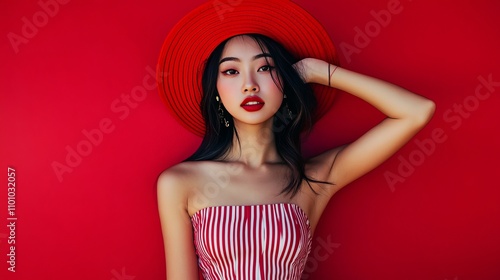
x: 314, y: 70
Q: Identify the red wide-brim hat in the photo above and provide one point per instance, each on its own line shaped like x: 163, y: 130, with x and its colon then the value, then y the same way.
x: 194, y: 37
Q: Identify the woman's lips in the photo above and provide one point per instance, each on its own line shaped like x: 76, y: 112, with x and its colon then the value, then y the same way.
x: 252, y: 103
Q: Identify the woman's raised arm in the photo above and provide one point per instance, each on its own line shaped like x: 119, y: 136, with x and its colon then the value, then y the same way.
x: 406, y: 114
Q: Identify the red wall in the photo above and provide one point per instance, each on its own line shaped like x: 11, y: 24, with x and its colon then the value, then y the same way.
x: 83, y: 127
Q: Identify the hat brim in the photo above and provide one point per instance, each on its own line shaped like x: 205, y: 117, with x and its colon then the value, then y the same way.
x: 194, y: 37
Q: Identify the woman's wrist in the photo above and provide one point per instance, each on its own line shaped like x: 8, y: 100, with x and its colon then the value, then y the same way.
x: 331, y: 72
x: 316, y: 71
x: 320, y: 72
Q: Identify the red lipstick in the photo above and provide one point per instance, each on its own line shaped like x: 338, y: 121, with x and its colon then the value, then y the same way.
x: 252, y: 103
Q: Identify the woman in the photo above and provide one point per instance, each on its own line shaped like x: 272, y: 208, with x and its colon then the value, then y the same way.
x: 245, y: 205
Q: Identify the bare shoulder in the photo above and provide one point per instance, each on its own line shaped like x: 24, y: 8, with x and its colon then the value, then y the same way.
x: 180, y: 181
x: 181, y: 169
x: 189, y: 185
x: 175, y: 174
x: 173, y: 188
x: 177, y: 180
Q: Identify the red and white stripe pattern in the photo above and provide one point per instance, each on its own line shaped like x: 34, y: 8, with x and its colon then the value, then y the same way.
x: 270, y: 241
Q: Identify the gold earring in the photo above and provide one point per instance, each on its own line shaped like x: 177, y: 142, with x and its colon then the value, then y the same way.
x: 222, y: 118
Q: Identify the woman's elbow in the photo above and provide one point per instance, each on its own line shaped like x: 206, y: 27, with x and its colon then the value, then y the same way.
x: 425, y: 112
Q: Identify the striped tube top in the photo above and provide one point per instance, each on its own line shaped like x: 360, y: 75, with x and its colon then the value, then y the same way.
x: 270, y: 241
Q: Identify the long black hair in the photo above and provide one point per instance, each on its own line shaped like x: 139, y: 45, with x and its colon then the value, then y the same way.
x: 292, y: 119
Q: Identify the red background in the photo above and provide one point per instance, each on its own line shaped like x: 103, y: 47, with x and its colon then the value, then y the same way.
x: 438, y: 220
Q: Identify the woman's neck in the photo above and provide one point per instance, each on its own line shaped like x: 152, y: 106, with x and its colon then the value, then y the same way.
x: 255, y: 145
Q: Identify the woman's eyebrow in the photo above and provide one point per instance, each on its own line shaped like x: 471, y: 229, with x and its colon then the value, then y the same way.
x: 231, y: 58
x: 262, y: 55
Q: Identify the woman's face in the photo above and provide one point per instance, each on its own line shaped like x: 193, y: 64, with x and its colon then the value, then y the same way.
x: 245, y: 84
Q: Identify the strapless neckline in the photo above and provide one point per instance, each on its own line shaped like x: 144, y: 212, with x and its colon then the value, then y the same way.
x: 257, y: 205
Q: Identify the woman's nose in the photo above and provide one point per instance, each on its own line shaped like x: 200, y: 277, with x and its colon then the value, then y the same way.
x: 249, y: 85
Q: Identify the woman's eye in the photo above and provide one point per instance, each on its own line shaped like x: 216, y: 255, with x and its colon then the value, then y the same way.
x: 230, y: 72
x: 265, y: 68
